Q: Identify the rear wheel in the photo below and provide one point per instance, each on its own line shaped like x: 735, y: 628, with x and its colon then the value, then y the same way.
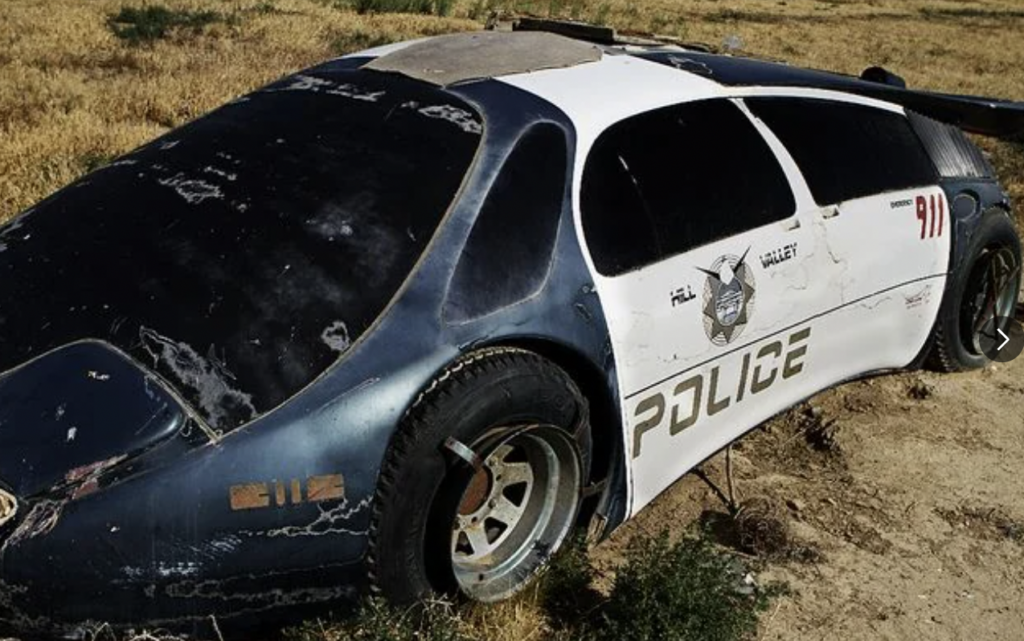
x: 482, y: 482
x: 986, y: 289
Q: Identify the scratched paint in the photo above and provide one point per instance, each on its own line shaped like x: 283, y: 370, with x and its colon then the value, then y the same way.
x: 39, y: 521
x: 303, y: 82
x: 329, y: 521
x: 461, y: 118
x: 336, y: 336
x: 208, y: 377
x: 193, y: 190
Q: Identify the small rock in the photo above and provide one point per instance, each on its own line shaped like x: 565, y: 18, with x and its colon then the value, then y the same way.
x: 795, y: 504
x: 921, y: 390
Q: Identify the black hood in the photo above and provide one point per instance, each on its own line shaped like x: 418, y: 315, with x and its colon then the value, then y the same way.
x: 241, y: 254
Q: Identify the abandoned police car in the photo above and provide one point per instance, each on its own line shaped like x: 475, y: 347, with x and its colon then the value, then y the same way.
x: 400, y: 322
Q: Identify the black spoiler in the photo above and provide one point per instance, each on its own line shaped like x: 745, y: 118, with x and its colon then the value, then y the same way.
x: 985, y: 116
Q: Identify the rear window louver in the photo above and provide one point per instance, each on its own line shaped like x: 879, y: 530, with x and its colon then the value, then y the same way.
x: 954, y: 154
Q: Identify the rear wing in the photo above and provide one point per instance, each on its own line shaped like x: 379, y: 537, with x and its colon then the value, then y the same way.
x: 985, y: 116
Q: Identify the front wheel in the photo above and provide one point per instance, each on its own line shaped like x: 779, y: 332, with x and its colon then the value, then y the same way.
x: 985, y: 289
x: 482, y: 482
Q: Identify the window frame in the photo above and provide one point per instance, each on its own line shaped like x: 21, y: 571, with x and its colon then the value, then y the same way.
x: 785, y: 164
x: 841, y: 101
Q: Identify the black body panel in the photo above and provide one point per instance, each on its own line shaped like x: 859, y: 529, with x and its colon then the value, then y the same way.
x: 241, y: 254
x: 987, y: 116
x: 969, y: 198
x: 161, y: 540
x: 73, y: 408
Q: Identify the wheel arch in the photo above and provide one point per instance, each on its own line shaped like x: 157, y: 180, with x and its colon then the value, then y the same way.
x: 608, y: 471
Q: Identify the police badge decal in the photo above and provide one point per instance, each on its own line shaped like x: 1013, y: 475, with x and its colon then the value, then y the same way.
x: 728, y: 298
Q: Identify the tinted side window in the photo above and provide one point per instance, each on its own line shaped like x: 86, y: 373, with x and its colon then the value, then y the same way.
x: 847, y: 151
x: 675, y: 178
x: 509, y: 250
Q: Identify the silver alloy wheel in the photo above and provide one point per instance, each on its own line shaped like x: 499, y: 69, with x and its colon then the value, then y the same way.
x: 515, y: 511
x: 995, y: 280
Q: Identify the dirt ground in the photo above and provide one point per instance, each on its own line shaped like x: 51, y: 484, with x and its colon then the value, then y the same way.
x: 904, y: 502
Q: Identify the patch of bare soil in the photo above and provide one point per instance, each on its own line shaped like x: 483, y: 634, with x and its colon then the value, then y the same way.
x: 893, y: 507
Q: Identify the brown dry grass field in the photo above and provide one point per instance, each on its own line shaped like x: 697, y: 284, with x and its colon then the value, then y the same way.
x: 898, y: 492
x: 71, y: 93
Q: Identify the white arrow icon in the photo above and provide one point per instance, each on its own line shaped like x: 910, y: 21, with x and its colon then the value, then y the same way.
x: 1006, y: 339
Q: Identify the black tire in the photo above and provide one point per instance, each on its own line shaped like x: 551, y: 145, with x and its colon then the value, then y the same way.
x: 481, y: 399
x: 954, y: 347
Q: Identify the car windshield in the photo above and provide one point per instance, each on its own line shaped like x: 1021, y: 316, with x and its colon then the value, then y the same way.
x: 239, y: 255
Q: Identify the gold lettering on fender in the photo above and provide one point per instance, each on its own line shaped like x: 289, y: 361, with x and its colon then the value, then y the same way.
x: 325, y: 488
x: 249, y: 496
x: 254, y: 496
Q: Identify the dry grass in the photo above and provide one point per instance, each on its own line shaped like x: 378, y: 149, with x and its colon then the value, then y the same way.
x: 72, y: 94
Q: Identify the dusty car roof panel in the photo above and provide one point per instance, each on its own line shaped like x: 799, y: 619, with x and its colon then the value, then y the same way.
x: 462, y: 57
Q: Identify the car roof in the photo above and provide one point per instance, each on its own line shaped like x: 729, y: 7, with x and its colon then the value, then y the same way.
x: 595, y: 85
x: 460, y: 57
x: 602, y: 78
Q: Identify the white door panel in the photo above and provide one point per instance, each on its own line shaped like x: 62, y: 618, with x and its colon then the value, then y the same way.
x: 877, y: 242
x: 836, y: 293
x: 656, y: 315
x: 766, y: 377
x: 710, y: 342
x: 884, y: 264
x: 693, y: 382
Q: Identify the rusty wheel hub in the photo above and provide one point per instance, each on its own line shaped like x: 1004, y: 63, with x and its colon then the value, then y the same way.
x: 515, y: 511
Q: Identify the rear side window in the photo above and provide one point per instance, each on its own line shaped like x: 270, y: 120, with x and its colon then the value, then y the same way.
x: 676, y: 178
x: 847, y: 151
x: 509, y: 250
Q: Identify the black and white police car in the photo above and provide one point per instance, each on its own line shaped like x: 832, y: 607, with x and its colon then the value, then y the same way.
x: 403, y: 320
